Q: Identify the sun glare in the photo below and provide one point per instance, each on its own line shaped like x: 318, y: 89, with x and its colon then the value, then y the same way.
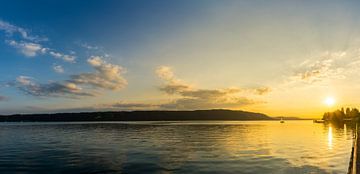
x: 329, y: 101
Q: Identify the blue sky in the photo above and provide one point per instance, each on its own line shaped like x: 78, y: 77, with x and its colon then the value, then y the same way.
x: 266, y: 56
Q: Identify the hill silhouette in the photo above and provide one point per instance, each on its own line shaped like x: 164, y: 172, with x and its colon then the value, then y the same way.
x: 138, y: 116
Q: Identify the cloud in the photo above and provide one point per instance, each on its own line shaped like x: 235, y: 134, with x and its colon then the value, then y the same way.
x: 200, y: 103
x: 89, y: 47
x: 208, y: 98
x: 107, y: 76
x: 326, y: 66
x: 130, y: 106
x: 29, y: 45
x: 188, y: 97
x: 27, y: 48
x: 174, y: 88
x: 193, y: 98
x: 173, y: 84
x: 58, y: 69
x: 65, y: 57
x: 262, y: 90
x: 53, y: 89
x: 54, y: 54
x: 11, y: 29
x: 93, y: 49
x: 30, y: 49
x: 166, y: 73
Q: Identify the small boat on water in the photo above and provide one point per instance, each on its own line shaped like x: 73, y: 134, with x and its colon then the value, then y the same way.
x: 282, y: 121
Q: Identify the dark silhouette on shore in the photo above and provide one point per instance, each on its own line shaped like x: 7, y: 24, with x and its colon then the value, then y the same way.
x: 341, y: 116
x: 138, y: 116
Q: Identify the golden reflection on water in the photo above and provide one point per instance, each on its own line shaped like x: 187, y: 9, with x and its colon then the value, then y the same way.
x: 301, y: 143
x: 345, y: 132
x: 330, y: 138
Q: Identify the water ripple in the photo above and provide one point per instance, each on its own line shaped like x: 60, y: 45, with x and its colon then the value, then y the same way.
x: 174, y: 147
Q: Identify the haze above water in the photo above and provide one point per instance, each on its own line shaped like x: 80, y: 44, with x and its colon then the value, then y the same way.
x: 175, y: 147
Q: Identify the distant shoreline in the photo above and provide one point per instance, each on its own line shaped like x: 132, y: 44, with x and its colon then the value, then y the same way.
x: 139, y: 116
x: 196, y: 115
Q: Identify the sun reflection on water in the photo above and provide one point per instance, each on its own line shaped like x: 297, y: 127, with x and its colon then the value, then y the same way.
x: 345, y: 132
x: 330, y: 138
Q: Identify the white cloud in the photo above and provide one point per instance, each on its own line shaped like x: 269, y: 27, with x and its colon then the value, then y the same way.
x: 58, y: 69
x: 33, y: 49
x: 54, y: 54
x: 65, y: 57
x: 108, y: 76
x: 27, y: 48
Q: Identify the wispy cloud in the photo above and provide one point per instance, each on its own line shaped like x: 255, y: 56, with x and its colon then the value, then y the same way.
x: 58, y: 69
x: 11, y: 29
x: 65, y: 57
x: 106, y: 76
x: 30, y: 49
x: 262, y: 90
x: 88, y: 46
x: 29, y: 45
x: 129, y: 106
x: 326, y: 66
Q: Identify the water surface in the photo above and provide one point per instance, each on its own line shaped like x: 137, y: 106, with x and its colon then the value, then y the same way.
x: 174, y: 147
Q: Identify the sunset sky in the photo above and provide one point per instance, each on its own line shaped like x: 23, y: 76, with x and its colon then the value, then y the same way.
x: 281, y: 58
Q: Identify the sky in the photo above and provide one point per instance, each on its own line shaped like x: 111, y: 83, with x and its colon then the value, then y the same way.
x: 281, y: 58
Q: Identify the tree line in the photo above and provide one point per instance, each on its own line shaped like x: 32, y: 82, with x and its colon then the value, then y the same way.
x: 342, y: 115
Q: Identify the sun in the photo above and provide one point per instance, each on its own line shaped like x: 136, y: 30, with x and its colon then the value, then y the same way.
x: 329, y: 101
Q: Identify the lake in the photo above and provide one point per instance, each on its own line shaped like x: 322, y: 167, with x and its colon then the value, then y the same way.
x: 174, y: 147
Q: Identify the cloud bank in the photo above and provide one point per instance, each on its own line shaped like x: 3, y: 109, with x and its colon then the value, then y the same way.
x: 106, y: 76
x: 188, y: 97
x: 194, y: 98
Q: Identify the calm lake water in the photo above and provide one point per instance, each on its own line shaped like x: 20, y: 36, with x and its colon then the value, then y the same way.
x: 174, y: 147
